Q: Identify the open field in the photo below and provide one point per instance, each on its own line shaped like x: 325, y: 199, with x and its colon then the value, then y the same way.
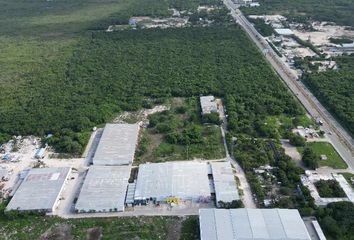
x: 323, y: 148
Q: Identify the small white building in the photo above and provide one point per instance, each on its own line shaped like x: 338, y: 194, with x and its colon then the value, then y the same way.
x: 254, y: 4
x: 208, y: 104
x: 284, y: 31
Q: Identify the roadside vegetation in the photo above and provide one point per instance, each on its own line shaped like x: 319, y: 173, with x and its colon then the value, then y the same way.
x: 335, y: 89
x: 180, y: 134
x: 314, y: 150
x: 263, y: 28
x: 349, y: 177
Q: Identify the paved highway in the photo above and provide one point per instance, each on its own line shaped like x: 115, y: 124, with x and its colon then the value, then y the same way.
x: 338, y: 136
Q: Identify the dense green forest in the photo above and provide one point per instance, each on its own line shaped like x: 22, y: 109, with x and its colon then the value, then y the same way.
x: 110, y: 72
x: 335, y: 89
x: 340, y: 11
x: 337, y: 220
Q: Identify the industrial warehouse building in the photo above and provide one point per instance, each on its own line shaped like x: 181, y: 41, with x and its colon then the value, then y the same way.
x: 104, y: 189
x: 208, y: 104
x: 224, y: 182
x: 117, y: 145
x: 40, y: 190
x: 186, y: 181
x: 243, y: 223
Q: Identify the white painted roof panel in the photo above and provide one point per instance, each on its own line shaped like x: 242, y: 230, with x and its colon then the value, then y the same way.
x: 117, y: 145
x: 260, y: 224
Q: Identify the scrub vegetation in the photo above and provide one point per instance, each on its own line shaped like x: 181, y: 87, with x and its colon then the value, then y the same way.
x: 35, y: 226
x: 179, y: 134
x: 329, y: 189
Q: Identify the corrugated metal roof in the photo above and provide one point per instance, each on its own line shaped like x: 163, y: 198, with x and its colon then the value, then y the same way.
x: 224, y: 182
x: 237, y: 224
x: 186, y: 180
x: 40, y: 189
x: 104, y: 189
x: 130, y: 193
x: 117, y: 145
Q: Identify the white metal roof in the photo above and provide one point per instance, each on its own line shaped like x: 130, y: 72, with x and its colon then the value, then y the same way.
x: 208, y: 104
x: 348, y: 45
x: 243, y: 223
x: 284, y: 31
x: 104, y: 189
x: 117, y: 145
x: 224, y: 182
x: 186, y: 180
x: 40, y: 189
